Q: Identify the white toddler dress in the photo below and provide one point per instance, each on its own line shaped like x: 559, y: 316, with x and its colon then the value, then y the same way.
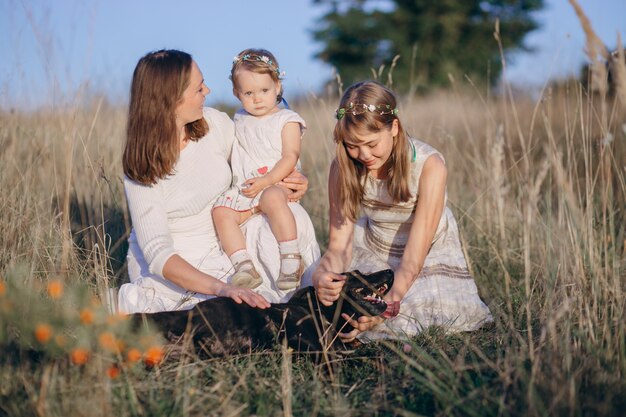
x: 255, y: 152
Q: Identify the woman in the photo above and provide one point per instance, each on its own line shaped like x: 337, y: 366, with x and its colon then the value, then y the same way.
x: 399, y: 183
x: 176, y: 163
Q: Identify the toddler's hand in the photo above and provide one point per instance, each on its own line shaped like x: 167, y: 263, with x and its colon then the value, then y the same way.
x: 253, y: 187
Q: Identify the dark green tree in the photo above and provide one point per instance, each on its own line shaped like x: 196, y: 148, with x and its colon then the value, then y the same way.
x: 433, y: 38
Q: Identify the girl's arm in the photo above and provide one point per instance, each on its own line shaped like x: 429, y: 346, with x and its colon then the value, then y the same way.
x: 290, y: 153
x: 326, y: 278
x: 428, y: 210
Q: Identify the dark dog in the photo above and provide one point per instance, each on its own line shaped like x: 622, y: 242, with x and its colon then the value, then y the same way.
x: 221, y: 326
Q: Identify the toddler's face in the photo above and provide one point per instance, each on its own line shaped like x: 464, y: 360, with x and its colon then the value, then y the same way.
x: 257, y: 92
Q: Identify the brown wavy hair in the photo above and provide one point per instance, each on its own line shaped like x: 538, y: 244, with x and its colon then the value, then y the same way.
x: 152, y: 144
x: 257, y: 66
x: 351, y: 173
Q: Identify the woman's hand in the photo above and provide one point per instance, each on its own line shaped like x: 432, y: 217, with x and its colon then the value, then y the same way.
x: 297, y: 183
x: 328, y: 286
x: 244, y: 295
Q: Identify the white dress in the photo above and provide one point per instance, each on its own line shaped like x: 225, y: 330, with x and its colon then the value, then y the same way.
x: 174, y: 217
x: 444, y: 293
x: 257, y: 149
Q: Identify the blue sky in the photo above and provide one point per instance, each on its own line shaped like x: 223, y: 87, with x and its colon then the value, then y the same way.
x: 52, y: 48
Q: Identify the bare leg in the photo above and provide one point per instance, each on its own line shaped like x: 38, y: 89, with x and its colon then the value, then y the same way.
x: 227, y: 223
x: 274, y: 203
x: 233, y: 242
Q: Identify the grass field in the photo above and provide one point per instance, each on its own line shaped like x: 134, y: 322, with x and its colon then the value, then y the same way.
x: 538, y: 188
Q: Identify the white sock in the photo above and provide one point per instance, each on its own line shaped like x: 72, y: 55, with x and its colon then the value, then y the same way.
x: 240, y: 256
x: 289, y: 266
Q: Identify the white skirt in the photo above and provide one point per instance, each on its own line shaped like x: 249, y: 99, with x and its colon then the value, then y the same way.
x: 151, y: 293
x: 436, y: 299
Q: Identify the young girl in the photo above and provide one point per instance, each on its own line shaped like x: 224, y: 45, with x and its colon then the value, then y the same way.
x: 266, y: 151
x: 399, y: 184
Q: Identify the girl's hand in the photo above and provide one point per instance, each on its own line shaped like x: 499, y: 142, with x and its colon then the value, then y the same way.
x: 328, y: 286
x: 244, y: 295
x: 297, y: 183
x: 403, y: 279
x: 363, y: 324
x: 254, y: 186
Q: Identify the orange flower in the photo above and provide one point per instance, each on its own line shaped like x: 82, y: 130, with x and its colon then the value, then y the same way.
x: 113, y: 372
x: 55, y: 288
x: 133, y: 355
x: 154, y: 356
x: 79, y: 356
x: 43, y: 333
x: 86, y: 316
x: 3, y: 288
x: 108, y: 341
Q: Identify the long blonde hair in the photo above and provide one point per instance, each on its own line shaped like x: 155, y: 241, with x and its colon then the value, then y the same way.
x: 152, y: 144
x: 351, y: 173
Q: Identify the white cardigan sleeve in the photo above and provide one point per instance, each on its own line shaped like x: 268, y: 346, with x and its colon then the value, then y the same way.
x: 147, y: 209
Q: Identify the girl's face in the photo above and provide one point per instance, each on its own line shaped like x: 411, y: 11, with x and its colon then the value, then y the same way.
x: 190, y: 107
x: 257, y: 92
x: 372, y: 149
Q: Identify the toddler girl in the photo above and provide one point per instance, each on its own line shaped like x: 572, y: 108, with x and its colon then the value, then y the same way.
x: 266, y: 151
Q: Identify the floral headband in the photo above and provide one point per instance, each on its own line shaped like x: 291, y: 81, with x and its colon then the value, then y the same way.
x: 260, y: 58
x: 358, y: 108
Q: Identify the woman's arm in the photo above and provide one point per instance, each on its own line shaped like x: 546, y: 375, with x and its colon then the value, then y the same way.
x: 326, y: 278
x: 149, y: 218
x: 428, y: 210
x: 183, y: 274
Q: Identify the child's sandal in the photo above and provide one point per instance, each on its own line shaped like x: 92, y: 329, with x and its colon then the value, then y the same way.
x: 290, y: 281
x: 248, y: 278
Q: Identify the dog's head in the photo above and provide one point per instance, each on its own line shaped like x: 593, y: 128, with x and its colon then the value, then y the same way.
x: 364, y: 292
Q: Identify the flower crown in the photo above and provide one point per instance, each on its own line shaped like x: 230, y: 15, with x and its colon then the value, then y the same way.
x: 360, y: 108
x: 260, y: 58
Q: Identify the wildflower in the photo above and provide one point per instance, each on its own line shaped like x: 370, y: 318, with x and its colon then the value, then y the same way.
x: 113, y: 372
x: 3, y: 288
x: 133, y: 355
x: 55, y: 288
x: 406, y: 348
x: 108, y: 341
x: 79, y: 356
x: 86, y: 316
x: 154, y: 356
x: 43, y: 333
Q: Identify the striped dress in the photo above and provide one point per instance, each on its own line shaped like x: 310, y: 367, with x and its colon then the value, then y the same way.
x: 444, y: 293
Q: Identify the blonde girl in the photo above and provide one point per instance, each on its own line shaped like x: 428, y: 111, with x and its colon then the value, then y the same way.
x: 398, y: 183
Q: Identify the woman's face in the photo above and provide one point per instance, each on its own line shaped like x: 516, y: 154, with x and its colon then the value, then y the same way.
x: 257, y: 92
x: 190, y: 107
x: 372, y: 149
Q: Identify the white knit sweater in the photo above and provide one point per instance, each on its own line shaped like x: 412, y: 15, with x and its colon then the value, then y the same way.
x: 170, y: 215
